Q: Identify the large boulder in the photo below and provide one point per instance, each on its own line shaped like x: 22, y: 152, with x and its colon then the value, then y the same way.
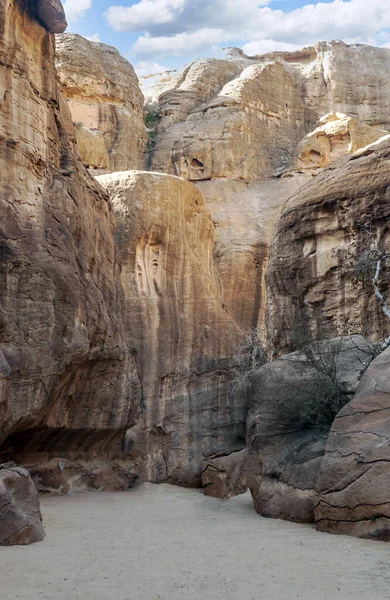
x: 20, y: 514
x: 354, y: 481
x: 225, y: 476
x: 176, y: 326
x: 105, y: 101
x: 294, y: 401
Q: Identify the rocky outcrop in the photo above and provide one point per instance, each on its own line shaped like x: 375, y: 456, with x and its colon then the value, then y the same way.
x: 20, y: 515
x: 52, y: 16
x: 176, y: 326
x: 320, y: 235
x: 337, y: 136
x: 353, y: 484
x: 68, y: 384
x: 225, y: 476
x: 294, y: 401
x: 105, y: 101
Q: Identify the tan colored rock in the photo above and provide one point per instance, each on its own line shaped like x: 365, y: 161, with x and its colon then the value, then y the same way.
x: 20, y: 514
x: 250, y: 127
x: 103, y: 94
x: 225, y: 476
x: 337, y: 136
x: 69, y: 386
x: 317, y: 239
x: 289, y: 417
x: 354, y: 480
x: 179, y: 332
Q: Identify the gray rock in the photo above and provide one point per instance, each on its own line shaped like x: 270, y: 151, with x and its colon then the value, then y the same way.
x: 52, y: 15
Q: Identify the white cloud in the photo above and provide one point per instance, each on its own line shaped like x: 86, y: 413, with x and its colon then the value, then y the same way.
x: 265, y: 46
x: 76, y: 9
x: 144, y: 68
x: 183, y: 26
x: 94, y: 38
x: 147, y: 46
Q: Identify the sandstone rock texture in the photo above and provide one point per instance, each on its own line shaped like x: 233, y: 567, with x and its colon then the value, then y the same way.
x: 68, y: 383
x: 319, y: 236
x: 20, y: 515
x: 105, y: 101
x: 233, y: 127
x: 354, y: 480
x: 293, y: 402
x: 225, y: 476
x: 336, y: 136
x: 176, y: 327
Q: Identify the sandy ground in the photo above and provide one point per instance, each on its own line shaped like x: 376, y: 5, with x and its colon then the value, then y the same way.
x: 168, y: 543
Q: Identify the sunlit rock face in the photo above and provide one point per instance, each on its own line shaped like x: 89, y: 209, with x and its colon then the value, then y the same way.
x: 68, y: 384
x: 105, y: 102
x: 176, y: 325
x: 249, y: 141
x: 319, y: 237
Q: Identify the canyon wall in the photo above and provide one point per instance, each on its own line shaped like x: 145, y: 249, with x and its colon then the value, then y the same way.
x: 105, y: 102
x: 242, y: 141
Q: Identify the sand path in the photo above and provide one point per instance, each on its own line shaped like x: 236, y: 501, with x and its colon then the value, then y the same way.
x: 168, y: 543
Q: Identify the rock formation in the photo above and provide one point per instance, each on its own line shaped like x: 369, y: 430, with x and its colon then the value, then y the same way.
x: 225, y: 476
x: 293, y: 403
x: 20, y: 515
x: 180, y: 335
x: 321, y: 233
x: 353, y: 484
x: 105, y: 101
x: 68, y: 383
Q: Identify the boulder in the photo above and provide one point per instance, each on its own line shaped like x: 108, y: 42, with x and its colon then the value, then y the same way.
x: 354, y: 480
x: 294, y: 401
x: 20, y: 514
x: 225, y: 476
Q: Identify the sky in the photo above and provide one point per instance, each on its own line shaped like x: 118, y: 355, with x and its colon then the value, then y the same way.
x: 156, y: 35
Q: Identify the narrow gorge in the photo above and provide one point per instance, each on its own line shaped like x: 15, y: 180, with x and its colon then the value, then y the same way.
x: 193, y: 276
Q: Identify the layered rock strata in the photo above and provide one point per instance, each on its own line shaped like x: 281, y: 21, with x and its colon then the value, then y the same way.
x: 105, y: 101
x: 68, y: 384
x: 176, y: 327
x: 324, y: 228
x: 353, y: 484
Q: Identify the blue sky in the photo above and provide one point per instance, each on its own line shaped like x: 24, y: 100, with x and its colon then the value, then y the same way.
x: 159, y: 34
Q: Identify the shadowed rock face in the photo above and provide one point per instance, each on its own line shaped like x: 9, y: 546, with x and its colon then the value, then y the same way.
x: 175, y: 323
x: 286, y: 438
x: 354, y: 480
x: 51, y: 15
x: 105, y: 101
x: 68, y: 384
x: 317, y: 238
x: 20, y: 515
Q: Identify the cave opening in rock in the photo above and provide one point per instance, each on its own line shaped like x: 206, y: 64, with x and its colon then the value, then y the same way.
x: 196, y: 164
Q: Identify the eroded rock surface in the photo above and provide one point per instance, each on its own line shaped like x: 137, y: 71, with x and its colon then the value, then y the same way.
x: 321, y: 233
x: 225, y: 476
x: 20, y: 515
x: 176, y: 327
x: 105, y: 101
x: 354, y: 479
x: 68, y: 384
x: 290, y: 414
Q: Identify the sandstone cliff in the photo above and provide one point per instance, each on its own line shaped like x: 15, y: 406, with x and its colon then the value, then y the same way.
x: 105, y: 101
x: 321, y: 233
x: 176, y: 326
x: 69, y: 386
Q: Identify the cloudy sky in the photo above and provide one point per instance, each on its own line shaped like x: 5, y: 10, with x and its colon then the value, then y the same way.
x: 159, y: 34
